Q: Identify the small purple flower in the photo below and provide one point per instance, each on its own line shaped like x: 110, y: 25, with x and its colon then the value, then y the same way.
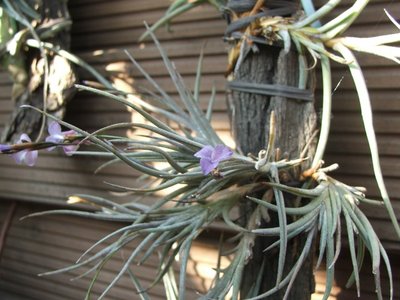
x: 4, y: 148
x: 210, y: 157
x: 25, y: 156
x: 58, y: 137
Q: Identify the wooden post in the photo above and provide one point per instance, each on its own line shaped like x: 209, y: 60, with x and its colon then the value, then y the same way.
x: 295, y: 125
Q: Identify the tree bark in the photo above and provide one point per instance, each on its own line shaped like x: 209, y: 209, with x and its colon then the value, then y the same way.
x: 295, y: 124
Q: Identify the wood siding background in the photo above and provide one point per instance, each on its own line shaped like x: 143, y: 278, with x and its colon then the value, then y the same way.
x: 101, y: 31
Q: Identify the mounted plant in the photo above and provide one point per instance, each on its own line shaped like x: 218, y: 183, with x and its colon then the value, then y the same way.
x: 34, y: 50
x: 252, y: 24
x: 211, y: 181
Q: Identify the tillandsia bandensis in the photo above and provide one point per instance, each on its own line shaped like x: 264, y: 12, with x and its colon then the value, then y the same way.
x: 260, y: 22
x: 210, y: 180
x: 316, y: 37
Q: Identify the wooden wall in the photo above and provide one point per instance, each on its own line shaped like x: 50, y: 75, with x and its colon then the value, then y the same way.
x: 38, y: 245
x: 101, y: 31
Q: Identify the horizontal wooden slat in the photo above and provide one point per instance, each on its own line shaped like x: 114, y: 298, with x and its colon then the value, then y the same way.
x: 115, y: 7
x: 83, y: 3
x: 125, y: 37
x: 184, y: 65
x: 135, y: 19
x: 147, y: 51
x: 373, y: 14
x: 13, y: 295
x: 46, y: 243
x: 4, y: 77
x: 387, y: 123
x: 6, y: 107
x: 88, y: 103
x: 58, y: 162
x: 165, y: 83
x: 352, y: 143
x: 376, y: 77
x: 79, y: 180
x: 358, y: 165
x: 382, y: 100
x: 28, y: 291
x: 44, y: 191
x: 220, y: 120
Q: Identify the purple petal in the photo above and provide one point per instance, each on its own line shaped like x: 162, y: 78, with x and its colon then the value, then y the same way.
x: 24, y: 138
x: 69, y: 132
x: 220, y: 153
x: 207, y: 165
x: 68, y: 150
x: 205, y: 152
x: 54, y: 128
x: 31, y: 158
x: 19, y: 156
x: 55, y: 138
x: 4, y: 147
x: 26, y: 156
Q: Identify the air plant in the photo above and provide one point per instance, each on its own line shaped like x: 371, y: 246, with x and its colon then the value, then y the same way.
x: 210, y: 179
x: 317, y: 41
x: 169, y: 226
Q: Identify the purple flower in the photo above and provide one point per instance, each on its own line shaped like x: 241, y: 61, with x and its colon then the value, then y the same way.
x: 58, y: 137
x: 25, y: 156
x: 4, y: 148
x: 210, y: 157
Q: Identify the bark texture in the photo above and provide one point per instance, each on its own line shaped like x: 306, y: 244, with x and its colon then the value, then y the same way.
x: 295, y: 124
x: 53, y: 27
